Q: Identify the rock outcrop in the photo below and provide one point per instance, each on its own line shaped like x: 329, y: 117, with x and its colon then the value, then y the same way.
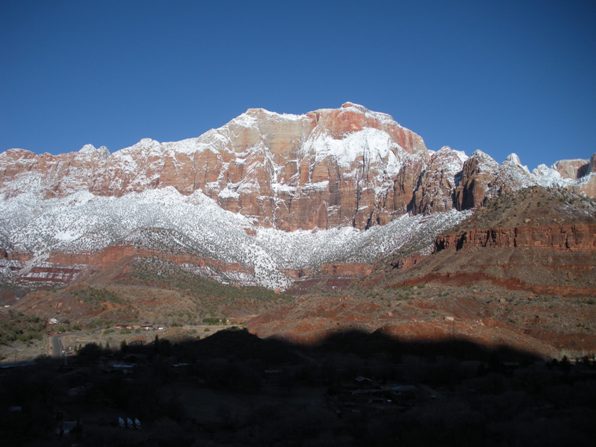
x: 537, y: 239
x: 436, y: 186
x: 534, y: 218
x: 482, y: 178
x: 573, y: 169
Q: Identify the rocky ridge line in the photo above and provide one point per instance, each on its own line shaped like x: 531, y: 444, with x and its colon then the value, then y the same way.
x: 327, y: 168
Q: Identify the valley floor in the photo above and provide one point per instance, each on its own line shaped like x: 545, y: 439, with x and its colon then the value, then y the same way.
x: 369, y: 364
x: 548, y: 326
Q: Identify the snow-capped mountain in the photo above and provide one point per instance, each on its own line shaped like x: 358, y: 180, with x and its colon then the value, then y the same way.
x: 253, y: 201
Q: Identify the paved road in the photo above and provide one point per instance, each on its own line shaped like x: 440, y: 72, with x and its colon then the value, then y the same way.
x: 56, y: 345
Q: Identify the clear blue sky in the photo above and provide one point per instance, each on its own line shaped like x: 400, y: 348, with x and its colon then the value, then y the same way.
x: 504, y: 76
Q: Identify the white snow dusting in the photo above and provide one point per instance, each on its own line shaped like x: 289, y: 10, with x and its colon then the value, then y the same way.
x: 164, y: 218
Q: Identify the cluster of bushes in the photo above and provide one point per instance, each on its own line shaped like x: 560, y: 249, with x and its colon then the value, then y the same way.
x: 96, y: 297
x: 214, y: 321
x: 19, y: 327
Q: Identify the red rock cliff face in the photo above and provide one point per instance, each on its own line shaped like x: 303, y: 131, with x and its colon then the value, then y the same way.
x: 436, y: 185
x: 477, y: 177
x: 327, y: 168
x: 572, y: 237
x: 573, y: 169
x: 482, y: 178
x: 331, y: 167
x: 546, y: 260
x: 116, y: 254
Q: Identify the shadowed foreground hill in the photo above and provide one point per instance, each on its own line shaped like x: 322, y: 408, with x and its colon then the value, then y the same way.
x: 351, y: 388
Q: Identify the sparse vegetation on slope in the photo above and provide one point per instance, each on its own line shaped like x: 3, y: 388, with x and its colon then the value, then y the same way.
x: 96, y: 297
x: 157, y: 273
x: 15, y: 326
x: 532, y: 206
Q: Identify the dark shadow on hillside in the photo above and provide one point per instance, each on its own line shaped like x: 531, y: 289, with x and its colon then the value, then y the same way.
x: 352, y: 388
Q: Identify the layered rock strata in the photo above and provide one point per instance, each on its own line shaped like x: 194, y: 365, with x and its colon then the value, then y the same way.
x: 324, y: 169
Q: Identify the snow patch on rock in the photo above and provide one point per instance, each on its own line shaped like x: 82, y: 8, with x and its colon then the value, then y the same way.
x: 164, y: 218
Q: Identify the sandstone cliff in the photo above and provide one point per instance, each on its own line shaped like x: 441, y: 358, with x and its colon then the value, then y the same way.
x: 324, y: 169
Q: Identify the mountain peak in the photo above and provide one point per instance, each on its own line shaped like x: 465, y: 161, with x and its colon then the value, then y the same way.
x: 262, y: 113
x: 353, y: 105
x: 514, y: 160
x: 89, y: 149
x: 461, y: 155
